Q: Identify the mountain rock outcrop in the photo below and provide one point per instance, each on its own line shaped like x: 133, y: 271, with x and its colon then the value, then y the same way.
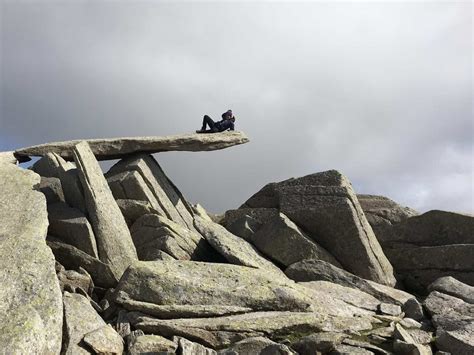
x: 122, y: 263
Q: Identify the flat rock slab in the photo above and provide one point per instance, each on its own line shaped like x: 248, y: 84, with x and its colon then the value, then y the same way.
x: 116, y: 148
x: 30, y: 297
x: 114, y: 242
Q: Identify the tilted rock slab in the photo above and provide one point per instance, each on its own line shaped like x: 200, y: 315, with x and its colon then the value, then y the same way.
x: 234, y: 249
x: 154, y: 185
x: 116, y: 148
x: 450, y: 286
x: 200, y: 283
x: 31, y: 313
x: 326, y: 207
x: 114, y: 241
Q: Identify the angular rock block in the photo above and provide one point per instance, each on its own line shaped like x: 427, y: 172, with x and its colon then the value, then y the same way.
x: 134, y: 209
x: 281, y: 240
x: 325, y: 206
x: 52, y: 189
x: 154, y: 186
x: 31, y: 313
x: 72, y: 227
x: 450, y: 286
x: 114, y: 241
x: 199, y: 283
x: 151, y: 344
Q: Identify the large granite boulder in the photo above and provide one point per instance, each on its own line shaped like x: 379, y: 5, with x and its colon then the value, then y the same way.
x: 454, y: 322
x: 85, y: 329
x: 429, y: 246
x: 199, y: 283
x: 450, y: 286
x: 244, y: 222
x: 140, y: 177
x: 72, y: 227
x: 281, y: 240
x: 234, y: 249
x: 325, y: 206
x: 31, y: 312
x: 114, y: 242
x: 116, y: 148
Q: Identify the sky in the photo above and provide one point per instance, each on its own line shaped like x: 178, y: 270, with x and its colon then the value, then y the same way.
x: 381, y: 91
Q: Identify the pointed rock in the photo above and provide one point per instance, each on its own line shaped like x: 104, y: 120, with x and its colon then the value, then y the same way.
x: 114, y: 241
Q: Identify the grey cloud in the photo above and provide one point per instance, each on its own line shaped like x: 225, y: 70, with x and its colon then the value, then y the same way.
x: 380, y: 91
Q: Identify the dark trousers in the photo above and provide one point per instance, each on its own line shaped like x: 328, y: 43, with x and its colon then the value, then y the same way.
x: 208, y: 121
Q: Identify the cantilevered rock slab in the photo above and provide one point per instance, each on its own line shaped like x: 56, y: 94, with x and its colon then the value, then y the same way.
x: 116, y: 148
x: 30, y: 297
x: 114, y: 242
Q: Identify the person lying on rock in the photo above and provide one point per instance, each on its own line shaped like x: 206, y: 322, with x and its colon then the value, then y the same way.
x: 227, y: 123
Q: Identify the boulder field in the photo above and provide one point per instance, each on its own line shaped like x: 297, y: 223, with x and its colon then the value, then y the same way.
x: 121, y: 263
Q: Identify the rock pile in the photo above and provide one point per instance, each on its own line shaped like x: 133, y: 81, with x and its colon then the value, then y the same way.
x: 122, y: 263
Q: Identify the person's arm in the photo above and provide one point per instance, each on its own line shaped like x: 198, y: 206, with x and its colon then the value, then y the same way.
x: 231, y: 128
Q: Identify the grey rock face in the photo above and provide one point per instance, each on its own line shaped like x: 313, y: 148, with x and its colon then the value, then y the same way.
x: 134, y: 209
x: 8, y: 158
x: 252, y: 345
x: 187, y: 347
x: 116, y: 148
x: 199, y: 283
x: 153, y: 234
x: 52, y: 189
x: 429, y: 246
x: 105, y: 340
x: 30, y: 296
x: 450, y: 286
x: 326, y: 207
x: 162, y: 194
x: 52, y: 165
x: 323, y: 342
x: 73, y: 259
x: 72, y: 227
x: 114, y: 241
x: 281, y: 240
x: 249, y: 220
x: 151, y: 344
x: 234, y: 249
x: 454, y: 322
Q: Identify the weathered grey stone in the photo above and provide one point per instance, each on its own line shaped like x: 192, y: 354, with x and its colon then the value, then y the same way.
x: 326, y: 207
x: 104, y: 340
x: 52, y: 165
x: 234, y: 249
x: 166, y: 197
x: 199, y: 283
x: 454, y: 322
x: 153, y: 233
x: 177, y: 311
x: 243, y: 222
x: 247, y: 346
x: 134, y: 209
x: 450, y: 286
x: 52, y: 189
x: 114, y: 241
x: 410, y: 323
x: 116, y: 148
x: 73, y: 259
x: 322, y: 342
x: 344, y: 349
x: 277, y: 349
x: 390, y: 309
x: 413, y: 309
x: 209, y: 331
x: 420, y: 336
x: 8, y: 158
x: 186, y: 347
x: 245, y: 227
x: 72, y: 280
x: 281, y: 240
x: 365, y: 345
x: 319, y: 270
x: 79, y: 319
x: 402, y: 347
x: 151, y: 344
x: 72, y: 227
x: 30, y: 296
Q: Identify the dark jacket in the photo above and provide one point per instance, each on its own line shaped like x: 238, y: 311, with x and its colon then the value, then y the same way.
x: 224, y: 125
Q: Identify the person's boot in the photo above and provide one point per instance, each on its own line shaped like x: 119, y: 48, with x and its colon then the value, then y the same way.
x: 200, y: 131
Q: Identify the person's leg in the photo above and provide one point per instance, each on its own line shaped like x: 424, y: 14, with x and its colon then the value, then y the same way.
x: 207, y: 120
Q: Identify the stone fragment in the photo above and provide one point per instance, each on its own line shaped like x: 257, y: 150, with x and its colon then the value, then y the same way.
x: 134, y: 209
x: 72, y: 227
x: 326, y: 207
x: 243, y: 222
x: 73, y: 259
x: 52, y: 165
x: 79, y: 318
x: 277, y: 349
x: 450, y: 286
x: 114, y: 241
x: 281, y: 240
x: 402, y: 347
x: 52, y: 189
x: 344, y: 349
x: 187, y: 347
x: 72, y: 280
x: 365, y: 345
x: 105, y: 340
x: 151, y: 344
x: 116, y: 148
x: 198, y: 283
x: 247, y: 346
x: 165, y: 196
x: 244, y: 227
x: 390, y: 309
x: 236, y: 250
x: 30, y: 297
x: 322, y: 342
x: 8, y: 158
x: 410, y: 323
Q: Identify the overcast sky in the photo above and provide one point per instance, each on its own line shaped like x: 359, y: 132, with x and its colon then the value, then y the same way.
x: 381, y: 91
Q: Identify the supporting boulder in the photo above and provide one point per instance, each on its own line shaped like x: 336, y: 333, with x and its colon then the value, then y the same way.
x: 114, y: 241
x: 30, y: 297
